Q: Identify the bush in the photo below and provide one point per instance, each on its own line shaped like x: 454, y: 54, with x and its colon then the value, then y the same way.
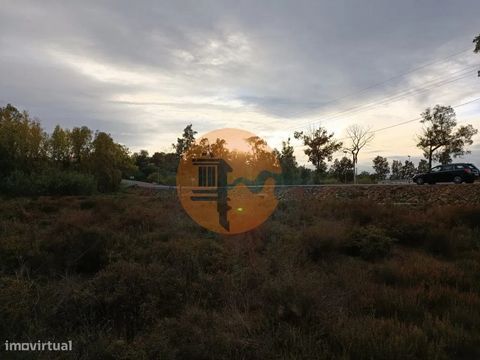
x: 76, y: 250
x: 49, y: 182
x: 323, y: 238
x: 369, y: 243
x: 67, y: 183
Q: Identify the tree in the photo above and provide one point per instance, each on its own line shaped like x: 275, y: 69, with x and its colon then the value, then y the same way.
x: 305, y: 174
x: 408, y: 170
x: 81, y: 142
x: 439, y: 140
x: 476, y: 41
x: 342, y: 169
x: 359, y: 137
x: 185, y: 141
x: 108, y: 161
x: 422, y: 166
x: 288, y: 162
x: 381, y: 167
x: 141, y: 159
x: 60, y: 146
x: 396, y: 170
x: 23, y: 142
x: 365, y: 177
x: 320, y: 146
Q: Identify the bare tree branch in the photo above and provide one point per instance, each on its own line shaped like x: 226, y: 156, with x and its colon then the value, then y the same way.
x: 359, y: 137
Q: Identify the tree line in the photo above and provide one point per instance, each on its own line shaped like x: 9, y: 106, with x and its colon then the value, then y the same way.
x: 81, y: 161
x: 76, y: 161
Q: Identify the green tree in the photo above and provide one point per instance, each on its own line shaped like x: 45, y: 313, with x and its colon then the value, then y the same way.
x: 342, y: 169
x: 305, y: 175
x: 81, y: 143
x: 320, y: 146
x: 23, y: 142
x: 408, y: 170
x: 167, y: 162
x: 422, y: 166
x: 288, y: 162
x: 185, y: 141
x: 60, y: 146
x: 108, y: 161
x: 381, y: 167
x: 396, y: 170
x: 440, y: 141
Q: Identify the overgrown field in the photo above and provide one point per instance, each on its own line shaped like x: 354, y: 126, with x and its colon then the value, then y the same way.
x: 130, y: 276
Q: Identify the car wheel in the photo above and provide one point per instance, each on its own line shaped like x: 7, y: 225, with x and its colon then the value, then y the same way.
x: 457, y: 180
x: 420, y: 181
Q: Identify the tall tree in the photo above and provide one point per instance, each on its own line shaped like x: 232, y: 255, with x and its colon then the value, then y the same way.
x: 342, y: 169
x: 381, y: 167
x: 408, y: 170
x: 422, y: 166
x: 23, y: 143
x: 359, y: 137
x: 81, y: 142
x: 60, y: 146
x: 320, y: 147
x: 440, y: 141
x: 288, y: 162
x: 396, y: 170
x: 108, y: 161
x: 185, y: 141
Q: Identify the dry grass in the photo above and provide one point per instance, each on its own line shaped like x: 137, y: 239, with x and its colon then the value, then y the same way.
x: 130, y: 276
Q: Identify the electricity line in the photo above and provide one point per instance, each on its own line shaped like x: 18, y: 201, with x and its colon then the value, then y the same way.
x: 401, y: 123
x: 437, y: 82
x: 386, y: 81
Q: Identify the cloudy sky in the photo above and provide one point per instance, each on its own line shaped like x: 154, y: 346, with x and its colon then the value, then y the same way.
x: 144, y: 70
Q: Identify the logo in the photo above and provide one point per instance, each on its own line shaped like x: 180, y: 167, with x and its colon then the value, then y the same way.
x: 226, y: 181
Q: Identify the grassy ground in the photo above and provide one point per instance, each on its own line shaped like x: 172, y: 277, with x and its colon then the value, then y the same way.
x: 130, y: 276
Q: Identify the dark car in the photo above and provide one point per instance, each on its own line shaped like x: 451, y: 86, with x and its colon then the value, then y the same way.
x: 475, y: 170
x: 456, y: 173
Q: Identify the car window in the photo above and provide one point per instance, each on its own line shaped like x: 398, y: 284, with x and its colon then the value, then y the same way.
x: 447, y: 168
x: 459, y: 167
x: 436, y: 169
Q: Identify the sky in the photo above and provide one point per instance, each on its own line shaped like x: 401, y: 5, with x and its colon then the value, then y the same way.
x: 143, y: 70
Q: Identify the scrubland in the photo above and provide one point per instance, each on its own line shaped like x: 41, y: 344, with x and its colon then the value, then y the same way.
x: 131, y: 276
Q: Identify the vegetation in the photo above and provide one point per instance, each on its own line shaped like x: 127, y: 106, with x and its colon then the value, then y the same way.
x: 80, y: 161
x: 320, y: 147
x: 130, y: 276
x: 381, y: 167
x: 440, y: 141
x: 359, y: 137
x: 64, y: 163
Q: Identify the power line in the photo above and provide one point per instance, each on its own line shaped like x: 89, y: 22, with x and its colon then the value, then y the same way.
x: 401, y: 123
x: 387, y: 80
x: 437, y: 82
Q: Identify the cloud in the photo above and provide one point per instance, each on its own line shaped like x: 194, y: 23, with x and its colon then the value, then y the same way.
x: 144, y: 71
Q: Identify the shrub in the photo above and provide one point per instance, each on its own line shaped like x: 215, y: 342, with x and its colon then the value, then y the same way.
x: 66, y: 183
x: 323, y: 238
x: 77, y: 250
x: 369, y: 243
x: 49, y: 182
